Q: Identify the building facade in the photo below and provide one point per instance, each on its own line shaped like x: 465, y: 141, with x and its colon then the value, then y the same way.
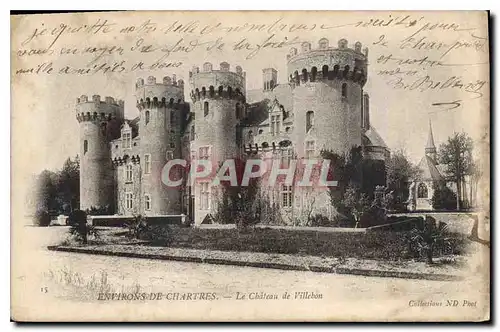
x: 321, y: 106
x: 431, y: 175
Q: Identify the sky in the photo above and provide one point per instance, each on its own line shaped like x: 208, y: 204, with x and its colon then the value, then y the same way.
x: 45, y: 131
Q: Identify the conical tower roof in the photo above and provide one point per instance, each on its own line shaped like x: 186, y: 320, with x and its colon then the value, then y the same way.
x: 430, y: 147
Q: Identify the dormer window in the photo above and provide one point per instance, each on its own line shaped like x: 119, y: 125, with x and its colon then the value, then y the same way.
x: 126, y: 139
x: 275, y: 124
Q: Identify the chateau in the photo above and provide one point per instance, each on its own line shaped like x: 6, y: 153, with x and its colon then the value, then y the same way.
x: 322, y: 106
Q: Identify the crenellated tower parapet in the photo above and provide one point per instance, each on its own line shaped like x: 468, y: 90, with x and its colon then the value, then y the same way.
x: 152, y: 94
x: 325, y: 62
x: 94, y: 109
x: 217, y: 84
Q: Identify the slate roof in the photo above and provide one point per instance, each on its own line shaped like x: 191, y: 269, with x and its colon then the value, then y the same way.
x: 429, y: 169
x: 373, y: 138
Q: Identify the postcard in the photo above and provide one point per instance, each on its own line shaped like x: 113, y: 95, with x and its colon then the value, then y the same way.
x: 260, y: 166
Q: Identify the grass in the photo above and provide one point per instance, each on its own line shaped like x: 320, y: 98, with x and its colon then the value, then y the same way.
x: 369, y: 245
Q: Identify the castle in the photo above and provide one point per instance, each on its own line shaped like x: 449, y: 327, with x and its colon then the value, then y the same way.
x: 322, y: 106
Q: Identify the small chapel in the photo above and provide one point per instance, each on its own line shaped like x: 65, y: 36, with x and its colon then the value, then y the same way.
x: 431, y: 175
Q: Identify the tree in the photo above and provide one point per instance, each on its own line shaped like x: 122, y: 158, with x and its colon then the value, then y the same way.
x: 239, y: 205
x: 456, y: 154
x: 443, y: 198
x: 475, y: 173
x: 68, y: 185
x: 400, y: 171
x: 346, y: 170
x: 42, y: 218
x: 46, y: 191
x: 356, y: 203
x: 58, y: 191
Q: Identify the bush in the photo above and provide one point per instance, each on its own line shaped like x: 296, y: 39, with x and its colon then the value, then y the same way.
x: 424, y: 241
x: 79, y: 229
x: 157, y: 235
x: 238, y: 205
x: 444, y: 198
x: 100, y: 211
x: 77, y: 217
x: 42, y: 218
x: 320, y: 220
x: 137, y: 226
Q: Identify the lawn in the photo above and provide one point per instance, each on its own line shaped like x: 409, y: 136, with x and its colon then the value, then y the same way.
x: 362, y: 245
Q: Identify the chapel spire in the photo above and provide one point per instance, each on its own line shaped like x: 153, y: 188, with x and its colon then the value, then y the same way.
x: 430, y: 148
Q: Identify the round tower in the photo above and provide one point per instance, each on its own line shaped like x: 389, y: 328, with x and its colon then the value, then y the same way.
x: 218, y: 100
x: 327, y: 95
x: 160, y: 106
x: 218, y: 103
x: 96, y: 120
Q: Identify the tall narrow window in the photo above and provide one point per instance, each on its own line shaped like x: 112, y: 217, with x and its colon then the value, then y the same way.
x: 275, y: 124
x: 286, y: 196
x: 172, y: 139
x: 147, y: 163
x: 128, y: 173
x: 85, y: 146
x: 147, y: 115
x: 344, y: 90
x: 204, y: 196
x: 129, y: 200
x: 147, y: 202
x: 286, y: 156
x: 309, y: 120
x: 310, y: 149
x: 192, y: 133
x: 237, y: 110
x: 205, y: 108
x: 126, y: 139
x: 250, y: 137
x: 204, y: 152
x: 422, y: 191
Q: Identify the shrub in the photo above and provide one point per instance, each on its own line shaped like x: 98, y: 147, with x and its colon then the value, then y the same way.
x: 137, y: 226
x: 159, y: 235
x: 238, y: 205
x: 423, y: 241
x: 42, y: 218
x: 99, y: 211
x: 140, y: 229
x: 444, y: 198
x: 319, y: 220
x: 79, y: 229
